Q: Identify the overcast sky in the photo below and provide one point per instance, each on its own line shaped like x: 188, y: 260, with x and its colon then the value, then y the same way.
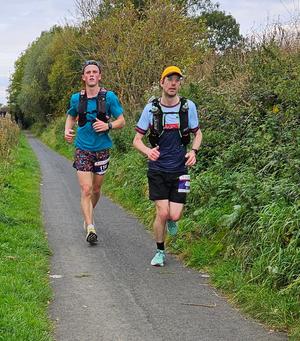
x: 22, y: 21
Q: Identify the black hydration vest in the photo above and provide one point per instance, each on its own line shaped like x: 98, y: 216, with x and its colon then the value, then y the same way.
x: 157, y: 128
x: 101, y: 109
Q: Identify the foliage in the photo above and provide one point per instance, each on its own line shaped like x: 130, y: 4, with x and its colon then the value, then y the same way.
x: 24, y: 267
x: 223, y: 30
x: 15, y: 89
x: 33, y: 98
x: 129, y: 67
x: 63, y: 76
x: 9, y: 137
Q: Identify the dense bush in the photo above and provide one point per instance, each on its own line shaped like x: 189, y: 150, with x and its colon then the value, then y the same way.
x: 250, y: 164
x: 9, y: 133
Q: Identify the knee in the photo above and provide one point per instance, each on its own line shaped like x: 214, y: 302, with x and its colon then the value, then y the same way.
x: 163, y: 213
x: 175, y: 216
x: 96, y: 190
x: 86, y: 190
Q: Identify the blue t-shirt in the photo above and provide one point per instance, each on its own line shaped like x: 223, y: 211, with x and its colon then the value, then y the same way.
x: 87, y: 138
x: 172, y: 152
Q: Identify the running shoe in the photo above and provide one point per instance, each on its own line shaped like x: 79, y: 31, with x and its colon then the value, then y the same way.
x: 159, y: 258
x: 84, y: 225
x: 172, y: 227
x: 91, y: 236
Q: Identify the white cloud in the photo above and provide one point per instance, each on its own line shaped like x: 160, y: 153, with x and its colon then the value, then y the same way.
x: 255, y: 15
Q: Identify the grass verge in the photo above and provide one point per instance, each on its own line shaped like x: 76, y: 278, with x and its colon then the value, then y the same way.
x: 24, y: 253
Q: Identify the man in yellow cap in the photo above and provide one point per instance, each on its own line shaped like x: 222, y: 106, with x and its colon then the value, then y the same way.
x: 170, y: 119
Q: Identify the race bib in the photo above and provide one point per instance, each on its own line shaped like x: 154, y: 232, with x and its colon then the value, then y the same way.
x: 184, y: 184
x: 100, y: 167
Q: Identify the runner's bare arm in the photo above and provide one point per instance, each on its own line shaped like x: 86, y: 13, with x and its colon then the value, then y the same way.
x: 101, y: 126
x: 152, y: 154
x: 69, y: 132
x: 191, y: 155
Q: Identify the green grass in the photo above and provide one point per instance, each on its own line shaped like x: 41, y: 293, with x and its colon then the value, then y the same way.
x: 24, y: 253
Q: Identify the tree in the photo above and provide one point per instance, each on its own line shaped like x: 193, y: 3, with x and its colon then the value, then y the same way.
x: 33, y: 98
x: 223, y: 30
x: 135, y: 47
x: 14, y: 89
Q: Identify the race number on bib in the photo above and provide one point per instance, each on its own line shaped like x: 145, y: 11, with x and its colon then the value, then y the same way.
x: 184, y: 184
x: 100, y: 167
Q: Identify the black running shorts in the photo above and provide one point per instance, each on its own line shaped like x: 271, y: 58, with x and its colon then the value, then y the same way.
x: 163, y: 185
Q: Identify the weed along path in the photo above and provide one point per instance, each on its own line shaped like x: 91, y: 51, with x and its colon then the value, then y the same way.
x: 109, y: 291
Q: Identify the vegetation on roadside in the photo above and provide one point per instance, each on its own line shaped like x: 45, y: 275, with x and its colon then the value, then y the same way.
x: 24, y: 254
x: 242, y: 217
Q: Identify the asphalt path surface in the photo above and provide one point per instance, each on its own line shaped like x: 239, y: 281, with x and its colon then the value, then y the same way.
x: 109, y: 291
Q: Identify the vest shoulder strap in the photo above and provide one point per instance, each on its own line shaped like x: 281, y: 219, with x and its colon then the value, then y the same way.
x: 184, y: 115
x: 82, y: 102
x: 157, y: 122
x: 101, y: 101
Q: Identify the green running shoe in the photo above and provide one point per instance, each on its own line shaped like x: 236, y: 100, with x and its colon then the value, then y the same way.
x: 172, y: 227
x: 159, y: 258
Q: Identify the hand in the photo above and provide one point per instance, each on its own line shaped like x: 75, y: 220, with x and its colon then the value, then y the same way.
x: 153, y: 154
x: 190, y: 158
x: 69, y: 135
x: 100, y: 126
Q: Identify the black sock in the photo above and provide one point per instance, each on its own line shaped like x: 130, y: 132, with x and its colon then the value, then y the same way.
x: 160, y: 246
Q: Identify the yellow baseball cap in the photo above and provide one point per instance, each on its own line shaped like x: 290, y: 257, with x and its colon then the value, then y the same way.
x: 170, y: 70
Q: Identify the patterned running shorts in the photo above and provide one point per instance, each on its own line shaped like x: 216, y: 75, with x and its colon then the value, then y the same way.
x: 95, y: 162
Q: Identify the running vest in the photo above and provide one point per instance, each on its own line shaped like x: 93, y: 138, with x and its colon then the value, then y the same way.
x: 157, y: 128
x: 101, y: 108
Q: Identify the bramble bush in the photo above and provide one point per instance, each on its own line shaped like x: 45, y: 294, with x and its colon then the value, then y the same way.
x: 250, y: 162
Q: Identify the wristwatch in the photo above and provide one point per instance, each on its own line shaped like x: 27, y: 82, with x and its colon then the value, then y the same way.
x: 195, y: 150
x: 109, y: 126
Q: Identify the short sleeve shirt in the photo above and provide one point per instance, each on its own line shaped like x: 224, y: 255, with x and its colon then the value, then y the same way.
x: 87, y: 138
x: 172, y: 152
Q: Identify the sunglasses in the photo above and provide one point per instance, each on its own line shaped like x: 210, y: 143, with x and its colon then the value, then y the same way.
x: 173, y: 78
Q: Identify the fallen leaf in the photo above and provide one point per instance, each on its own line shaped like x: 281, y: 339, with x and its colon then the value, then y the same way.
x: 200, y: 305
x: 56, y: 276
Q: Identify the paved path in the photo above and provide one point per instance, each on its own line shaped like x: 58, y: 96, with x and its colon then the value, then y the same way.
x: 110, y: 292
